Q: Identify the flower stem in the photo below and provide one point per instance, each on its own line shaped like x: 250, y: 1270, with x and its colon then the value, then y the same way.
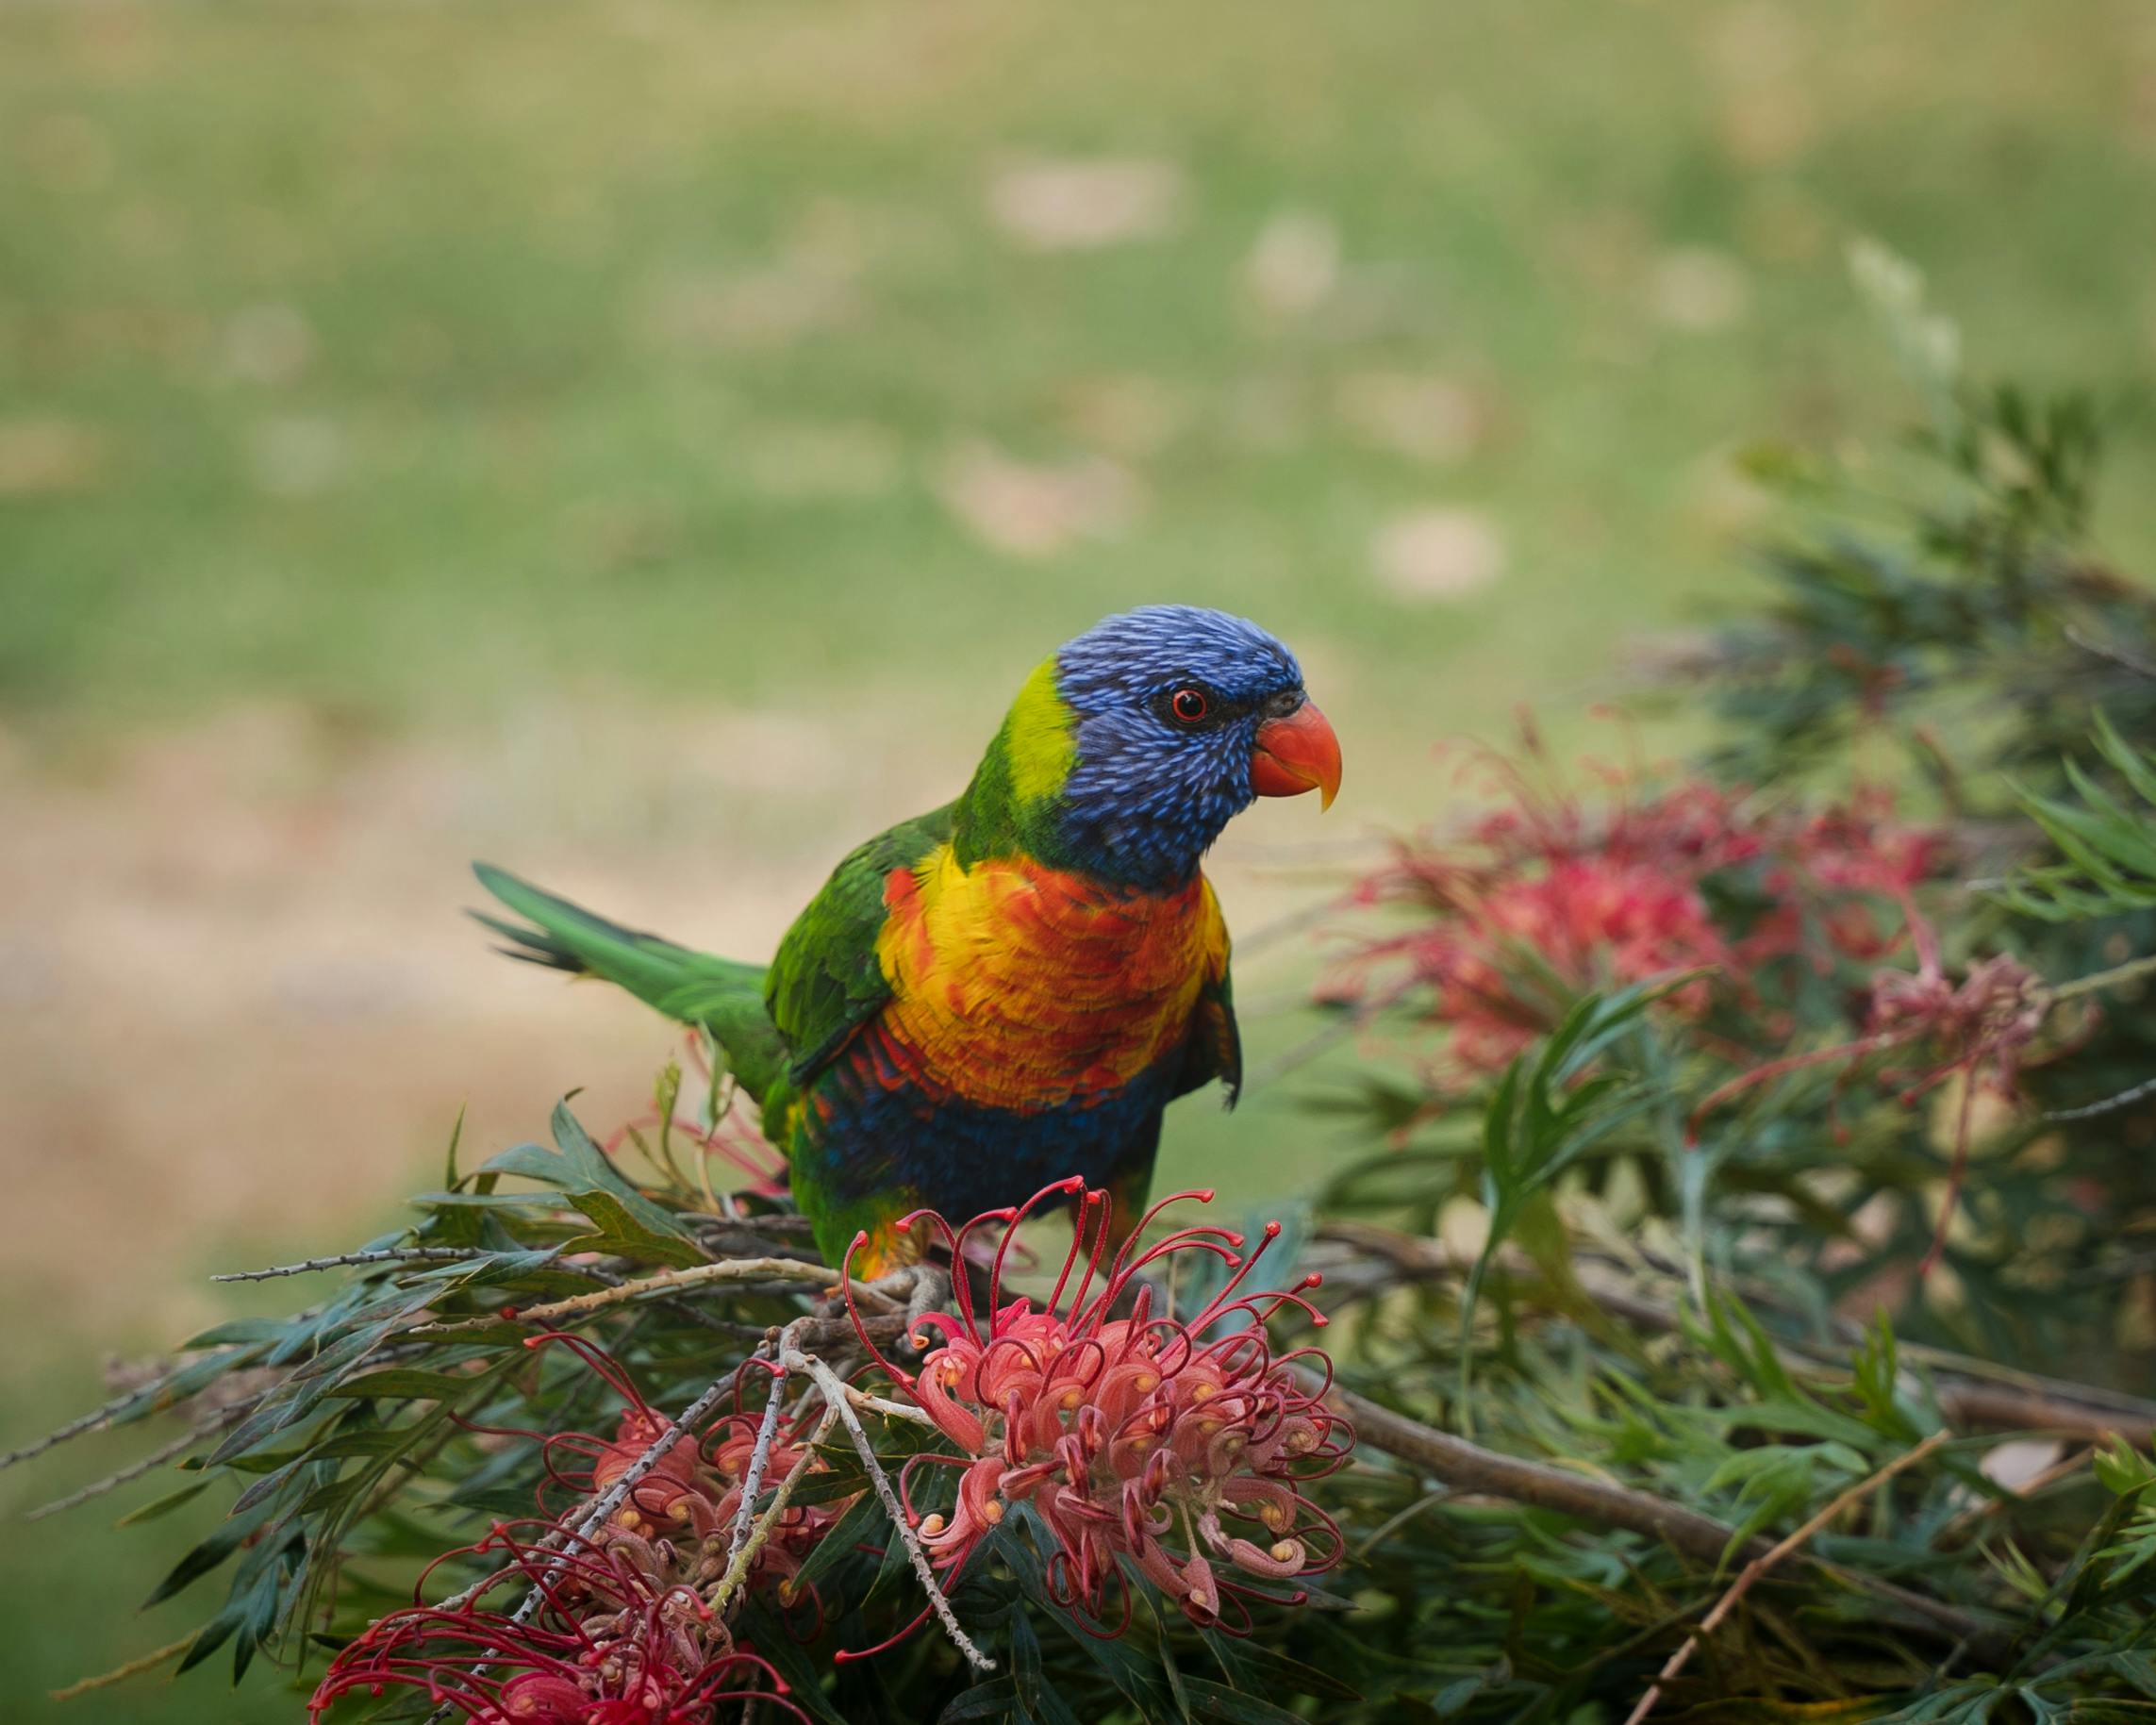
x: 2133, y: 970
x: 834, y: 1393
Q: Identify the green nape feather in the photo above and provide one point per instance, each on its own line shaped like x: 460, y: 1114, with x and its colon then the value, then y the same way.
x: 722, y: 995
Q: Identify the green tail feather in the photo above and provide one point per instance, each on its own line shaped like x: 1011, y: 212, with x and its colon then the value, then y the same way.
x: 723, y: 996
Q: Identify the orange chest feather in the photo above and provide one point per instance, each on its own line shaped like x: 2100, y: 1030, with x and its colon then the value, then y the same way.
x: 1017, y: 987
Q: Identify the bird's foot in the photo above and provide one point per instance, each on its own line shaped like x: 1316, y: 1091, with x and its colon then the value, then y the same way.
x: 918, y: 1291
x: 915, y: 1289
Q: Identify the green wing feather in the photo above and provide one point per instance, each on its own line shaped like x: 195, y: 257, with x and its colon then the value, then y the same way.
x: 721, y: 994
x: 827, y: 980
x: 1215, y: 1049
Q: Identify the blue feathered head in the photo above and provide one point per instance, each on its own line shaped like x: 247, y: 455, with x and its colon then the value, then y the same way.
x: 1171, y: 720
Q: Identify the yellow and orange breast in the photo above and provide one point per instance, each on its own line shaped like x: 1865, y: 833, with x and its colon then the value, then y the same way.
x: 1017, y: 987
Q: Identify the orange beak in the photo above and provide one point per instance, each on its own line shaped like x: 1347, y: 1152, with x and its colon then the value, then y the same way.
x: 1295, y: 754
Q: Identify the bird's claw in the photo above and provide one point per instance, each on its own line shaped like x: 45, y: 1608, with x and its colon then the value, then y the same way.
x: 917, y: 1289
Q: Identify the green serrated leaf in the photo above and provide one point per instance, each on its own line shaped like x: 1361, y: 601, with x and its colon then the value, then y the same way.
x: 623, y: 1234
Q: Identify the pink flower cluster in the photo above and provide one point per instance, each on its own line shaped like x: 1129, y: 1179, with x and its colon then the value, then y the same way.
x: 676, y: 1522
x: 1980, y: 1029
x: 1183, y: 1444
x: 601, y: 1644
x: 1554, y: 895
x: 618, y: 1627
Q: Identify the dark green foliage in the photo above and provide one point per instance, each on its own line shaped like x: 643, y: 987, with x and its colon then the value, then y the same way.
x: 1674, y: 1281
x: 2108, y: 839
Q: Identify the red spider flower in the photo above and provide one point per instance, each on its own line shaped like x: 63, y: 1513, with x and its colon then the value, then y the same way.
x: 800, y: 1527
x: 1980, y: 1029
x: 676, y: 1524
x: 1181, y: 1444
x: 1585, y: 920
x: 1556, y: 894
x: 596, y: 1644
x: 1850, y: 862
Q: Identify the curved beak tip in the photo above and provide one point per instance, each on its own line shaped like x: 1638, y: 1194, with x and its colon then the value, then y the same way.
x: 1297, y: 754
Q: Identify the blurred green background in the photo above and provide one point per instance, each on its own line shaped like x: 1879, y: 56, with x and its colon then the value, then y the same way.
x: 648, y: 443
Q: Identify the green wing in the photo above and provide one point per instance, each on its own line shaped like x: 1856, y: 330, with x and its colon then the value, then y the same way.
x: 723, y: 996
x: 1215, y: 1049
x: 826, y: 981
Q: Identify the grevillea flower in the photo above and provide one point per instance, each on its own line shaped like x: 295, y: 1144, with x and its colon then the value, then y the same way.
x: 1980, y: 1029
x: 676, y: 1524
x: 800, y: 1527
x: 1181, y: 1443
x: 1556, y: 894
x: 600, y: 1645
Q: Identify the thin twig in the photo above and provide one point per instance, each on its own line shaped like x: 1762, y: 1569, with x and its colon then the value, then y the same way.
x: 494, y: 1578
x: 2133, y: 970
x: 134, y: 1668
x: 388, y: 1254
x: 615, y: 1495
x: 2000, y: 1399
x: 760, y: 1458
x: 562, y: 1545
x: 2104, y: 650
x: 1349, y: 1024
x: 86, y: 1422
x: 833, y: 1390
x: 1996, y: 1407
x: 135, y: 1470
x: 887, y: 1410
x: 1393, y: 1523
x: 789, y: 1271
x: 742, y: 1556
x: 2110, y: 1104
x: 1285, y: 927
x: 685, y: 1308
x: 2012, y: 1497
x: 1759, y: 1566
x: 1469, y: 1468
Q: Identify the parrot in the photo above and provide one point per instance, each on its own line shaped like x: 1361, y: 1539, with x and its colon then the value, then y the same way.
x: 1007, y: 993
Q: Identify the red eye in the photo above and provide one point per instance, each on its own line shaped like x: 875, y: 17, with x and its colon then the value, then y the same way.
x: 1189, y: 705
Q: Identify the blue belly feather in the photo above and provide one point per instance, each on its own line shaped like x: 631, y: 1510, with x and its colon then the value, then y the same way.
x: 863, y: 1141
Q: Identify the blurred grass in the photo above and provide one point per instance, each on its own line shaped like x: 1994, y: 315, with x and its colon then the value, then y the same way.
x: 403, y: 361
x: 631, y: 341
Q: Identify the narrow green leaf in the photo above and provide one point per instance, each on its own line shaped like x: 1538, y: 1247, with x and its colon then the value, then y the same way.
x: 405, y: 1384
x: 996, y: 1699
x: 227, y: 1538
x: 1217, y: 1702
x: 164, y: 1506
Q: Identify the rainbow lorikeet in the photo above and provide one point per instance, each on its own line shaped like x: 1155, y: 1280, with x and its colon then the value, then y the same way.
x: 1009, y: 989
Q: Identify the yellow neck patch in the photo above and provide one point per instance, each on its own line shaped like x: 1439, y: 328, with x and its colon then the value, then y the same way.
x: 1040, y: 737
